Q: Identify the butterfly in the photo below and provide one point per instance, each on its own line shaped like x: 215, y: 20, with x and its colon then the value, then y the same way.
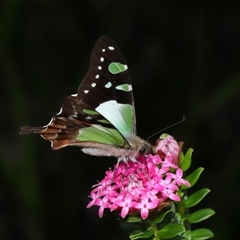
x: 100, y: 118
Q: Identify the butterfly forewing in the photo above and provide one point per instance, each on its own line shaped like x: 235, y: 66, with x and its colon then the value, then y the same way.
x: 102, y: 112
x: 108, y: 80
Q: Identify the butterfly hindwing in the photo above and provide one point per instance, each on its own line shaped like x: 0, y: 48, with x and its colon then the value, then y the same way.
x: 101, y: 115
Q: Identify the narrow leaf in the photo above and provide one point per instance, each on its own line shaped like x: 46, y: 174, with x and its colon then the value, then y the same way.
x: 171, y: 230
x: 201, y: 234
x: 186, y: 162
x: 132, y: 219
x: 157, y: 218
x: 142, y: 234
x: 200, y: 215
x: 135, y: 227
x: 196, y: 197
x: 193, y: 178
x: 187, y: 235
x: 181, y: 158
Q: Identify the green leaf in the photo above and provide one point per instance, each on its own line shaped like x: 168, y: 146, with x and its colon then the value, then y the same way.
x: 200, y: 215
x: 135, y: 226
x: 178, y: 237
x: 196, y: 197
x: 178, y: 218
x: 132, y: 219
x: 186, y: 162
x: 193, y: 178
x: 187, y: 235
x: 171, y: 230
x: 158, y: 217
x: 181, y: 159
x: 142, y: 234
x: 201, y: 234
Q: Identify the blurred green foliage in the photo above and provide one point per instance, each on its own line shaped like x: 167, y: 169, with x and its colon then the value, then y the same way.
x: 184, y: 58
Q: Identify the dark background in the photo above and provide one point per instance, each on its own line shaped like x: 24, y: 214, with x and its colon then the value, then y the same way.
x: 184, y: 58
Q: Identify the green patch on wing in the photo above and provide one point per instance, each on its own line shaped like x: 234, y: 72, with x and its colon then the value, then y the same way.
x: 118, y: 114
x: 116, y: 67
x: 104, y: 121
x: 90, y: 112
x: 124, y: 87
x: 100, y: 134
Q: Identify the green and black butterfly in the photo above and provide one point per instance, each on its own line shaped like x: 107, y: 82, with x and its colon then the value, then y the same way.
x: 100, y: 118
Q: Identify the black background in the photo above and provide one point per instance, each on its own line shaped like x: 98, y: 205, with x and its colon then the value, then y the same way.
x: 184, y: 58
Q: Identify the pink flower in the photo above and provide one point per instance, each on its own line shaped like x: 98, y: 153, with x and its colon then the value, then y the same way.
x: 143, y: 186
x: 170, y: 194
x: 178, y: 178
x: 102, y: 203
x: 168, y: 146
x: 145, y: 205
x: 126, y: 204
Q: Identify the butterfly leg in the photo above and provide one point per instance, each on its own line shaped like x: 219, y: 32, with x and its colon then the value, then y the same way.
x: 126, y: 159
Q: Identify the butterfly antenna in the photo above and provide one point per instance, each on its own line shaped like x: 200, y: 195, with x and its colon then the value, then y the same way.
x: 174, y: 124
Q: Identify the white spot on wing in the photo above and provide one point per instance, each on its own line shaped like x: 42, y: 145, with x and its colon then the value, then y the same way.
x: 93, y: 85
x: 99, y: 67
x: 101, y: 59
x: 108, y: 85
x: 74, y: 95
x: 86, y: 91
x: 103, y: 50
x: 97, y: 76
x: 111, y: 48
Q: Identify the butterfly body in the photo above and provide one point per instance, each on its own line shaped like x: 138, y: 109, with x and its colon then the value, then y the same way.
x: 100, y: 118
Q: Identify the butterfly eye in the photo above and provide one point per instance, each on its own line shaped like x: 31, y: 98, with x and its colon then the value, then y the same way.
x: 145, y: 149
x: 142, y: 149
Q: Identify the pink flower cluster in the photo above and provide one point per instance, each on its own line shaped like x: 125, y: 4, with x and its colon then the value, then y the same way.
x: 143, y: 186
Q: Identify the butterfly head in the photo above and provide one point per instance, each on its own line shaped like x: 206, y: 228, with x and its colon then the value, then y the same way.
x: 141, y: 146
x: 145, y: 149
